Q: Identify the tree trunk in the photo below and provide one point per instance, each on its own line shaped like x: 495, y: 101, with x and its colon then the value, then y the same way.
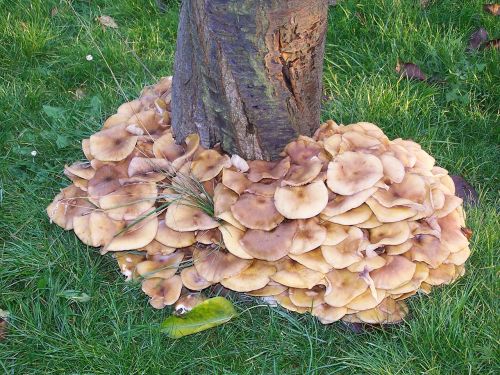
x: 248, y: 73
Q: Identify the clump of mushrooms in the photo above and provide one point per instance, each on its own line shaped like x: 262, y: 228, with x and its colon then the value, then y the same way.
x: 347, y: 225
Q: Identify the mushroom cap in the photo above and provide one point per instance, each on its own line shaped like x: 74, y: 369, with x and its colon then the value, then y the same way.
x: 260, y: 188
x: 309, y: 235
x: 326, y: 130
x: 269, y: 245
x: 271, y: 289
x: 343, y: 203
x: 428, y: 249
x: 394, y: 170
x: 253, y: 278
x: 444, y: 274
x: 346, y: 252
x: 86, y: 149
x: 457, y: 258
x: 116, y: 119
x: 295, y: 275
x: 260, y: 169
x: 328, y: 314
x: 335, y: 233
x: 96, y: 229
x: 149, y: 169
x: 397, y: 271
x: 301, y: 202
x: 136, y: 236
x: 256, y: 212
x: 452, y: 236
x: 389, y: 234
x: 236, y: 181
x: 160, y: 266
x: 366, y: 300
x: 224, y: 198
x: 302, y: 150
x: 130, y: 108
x: 231, y: 237
x: 399, y: 249
x: 192, y: 142
x: 284, y: 301
x: 185, y: 218
x: 216, y: 265
x: 208, y: 164
x: 302, y: 174
x: 147, y: 120
x: 421, y: 273
x: 166, y: 148
x: 112, y: 144
x: 343, y: 287
x: 410, y: 192
x: 192, y: 279
x: 127, y: 263
x: 352, y: 217
x: 81, y: 169
x: 105, y: 181
x: 351, y: 172
x: 307, y: 297
x: 390, y: 215
x: 173, y: 238
x: 368, y: 263
x: 68, y: 204
x: 372, y: 222
x: 228, y: 217
x: 387, y: 312
x: 129, y: 201
x: 239, y: 163
x: 210, y: 236
x: 163, y: 292
x: 314, y: 260
x: 157, y: 248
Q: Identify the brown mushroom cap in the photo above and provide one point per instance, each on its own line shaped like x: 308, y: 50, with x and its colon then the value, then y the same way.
x: 307, y: 297
x: 173, y: 238
x: 236, y: 181
x: 387, y: 312
x: 421, y: 273
x: 146, y: 120
x: 368, y: 263
x: 351, y: 172
x: 210, y: 236
x: 410, y: 192
x: 271, y: 289
x: 224, y: 198
x: 372, y: 222
x: 208, y: 164
x: 399, y: 249
x: 390, y: 215
x: 256, y: 212
x: 299, y: 175
x: 366, y: 300
x: 150, y: 169
x: 163, y: 292
x: 231, y: 237
x: 130, y: 108
x: 309, y: 235
x: 157, y: 248
x: 127, y: 263
x: 314, y: 260
x: 68, y: 204
x: 269, y: 245
x: 352, y: 217
x: 346, y: 252
x: 428, y: 249
x: 343, y: 287
x: 192, y: 279
x: 166, y: 148
x: 452, y: 236
x: 260, y: 169
x: 185, y: 218
x: 457, y: 258
x: 192, y: 142
x: 444, y: 274
x: 96, y: 229
x: 160, y: 266
x: 295, y: 275
x: 253, y: 278
x: 81, y: 169
x: 117, y: 119
x: 130, y: 201
x: 301, y: 202
x: 112, y: 144
x: 328, y: 314
x: 302, y: 150
x: 105, y: 181
x: 136, y: 236
x: 343, y: 203
x: 394, y: 169
x: 216, y: 265
x: 397, y: 271
x: 389, y: 234
x: 335, y: 233
x: 284, y: 300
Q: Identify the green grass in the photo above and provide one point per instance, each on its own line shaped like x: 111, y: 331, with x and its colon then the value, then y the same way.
x: 42, y: 63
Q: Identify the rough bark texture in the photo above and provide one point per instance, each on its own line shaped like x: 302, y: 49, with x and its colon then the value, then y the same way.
x: 248, y: 73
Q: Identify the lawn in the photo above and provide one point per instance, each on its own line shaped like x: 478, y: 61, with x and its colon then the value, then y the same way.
x: 52, y: 96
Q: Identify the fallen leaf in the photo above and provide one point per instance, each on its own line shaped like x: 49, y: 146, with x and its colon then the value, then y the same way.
x: 54, y: 11
x: 74, y: 295
x: 55, y: 113
x: 410, y: 70
x: 492, y: 8
x: 210, y: 313
x: 79, y: 93
x: 361, y: 17
x: 465, y: 190
x: 107, y: 21
x: 467, y: 232
x: 477, y: 38
x: 4, y: 316
x: 492, y: 44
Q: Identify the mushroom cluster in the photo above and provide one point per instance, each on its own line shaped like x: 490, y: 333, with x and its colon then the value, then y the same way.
x: 346, y: 225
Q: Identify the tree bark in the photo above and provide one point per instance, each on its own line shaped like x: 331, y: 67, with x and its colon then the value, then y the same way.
x: 248, y: 73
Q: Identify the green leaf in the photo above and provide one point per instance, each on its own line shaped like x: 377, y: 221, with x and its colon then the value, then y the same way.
x: 62, y: 141
x: 55, y: 113
x: 210, y: 313
x: 74, y: 295
x: 95, y: 105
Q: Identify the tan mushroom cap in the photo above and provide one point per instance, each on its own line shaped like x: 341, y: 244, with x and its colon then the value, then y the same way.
x: 216, y: 265
x: 163, y: 292
x: 231, y: 237
x: 421, y: 273
x: 265, y: 189
x: 399, y: 249
x: 410, y: 192
x: 352, y: 172
x: 284, y: 300
x: 452, y: 236
x: 346, y: 252
x: 112, y: 144
x: 271, y: 289
x: 444, y: 274
x: 228, y: 217
x: 394, y: 169
x: 208, y: 164
x: 389, y: 234
x: 368, y: 263
x: 307, y: 297
x: 387, y: 312
x: 127, y: 263
x: 157, y: 248
x: 256, y: 212
x: 192, y: 142
x: 309, y: 235
x: 210, y: 236
x: 166, y: 148
x: 148, y: 120
x: 372, y: 222
x: 192, y: 279
x: 81, y: 169
x: 457, y: 258
x: 335, y: 233
x: 367, y: 300
x: 236, y: 181
x: 96, y: 229
x: 314, y: 260
x: 269, y: 245
x: 397, y: 271
x: 343, y: 203
x: 428, y: 249
x: 299, y: 175
x: 130, y: 108
x: 326, y: 130
x: 253, y: 278
x: 224, y: 198
x: 106, y: 180
x: 150, y: 169
x: 86, y: 149
x: 173, y: 238
x: 343, y: 287
x: 390, y: 215
x: 116, y: 119
x: 68, y: 204
x: 130, y: 201
x: 136, y: 236
x: 352, y: 217
x: 261, y: 169
x: 301, y: 202
x: 160, y: 266
x: 185, y: 218
x: 328, y: 314
x: 302, y: 150
x: 295, y: 275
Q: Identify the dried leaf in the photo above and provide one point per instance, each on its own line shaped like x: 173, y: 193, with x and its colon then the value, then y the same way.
x: 492, y: 8
x: 79, y: 93
x: 410, y: 70
x: 492, y: 44
x: 465, y: 190
x: 74, y: 295
x: 107, y: 21
x: 54, y: 11
x: 4, y: 315
x: 477, y: 38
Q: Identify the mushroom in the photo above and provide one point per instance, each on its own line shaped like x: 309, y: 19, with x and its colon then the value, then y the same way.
x: 184, y: 218
x: 343, y: 286
x: 173, y: 238
x: 224, y: 198
x: 295, y: 275
x: 271, y: 289
x: 390, y: 215
x: 352, y: 172
x: 192, y: 279
x: 284, y: 300
x: 328, y: 314
x: 96, y: 228
x: 421, y: 273
x: 335, y: 233
x: 346, y: 252
x: 216, y: 265
x: 352, y: 217
x: 302, y: 150
x: 444, y: 274
x: 309, y: 235
x: 387, y: 312
x: 398, y: 249
x: 148, y: 120
x: 264, y: 189
x: 231, y: 237
x: 253, y: 278
x: 314, y: 260
x: 127, y: 263
x: 397, y: 271
x: 105, y: 181
x: 81, y: 169
x: 388, y: 234
x: 130, y: 108
x: 256, y: 212
x: 394, y: 170
x: 260, y: 169
x: 157, y: 248
x: 166, y: 148
x: 68, y: 204
x: 149, y: 169
x: 301, y: 202
x: 236, y: 181
x: 410, y: 192
x: 299, y: 175
x: 269, y: 245
x: 343, y: 203
x: 366, y: 300
x: 160, y: 266
x: 208, y: 164
x: 326, y: 130
x: 134, y: 236
x: 210, y: 236
x: 112, y: 144
x: 163, y: 292
x: 307, y: 297
x: 192, y: 142
x: 428, y: 249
